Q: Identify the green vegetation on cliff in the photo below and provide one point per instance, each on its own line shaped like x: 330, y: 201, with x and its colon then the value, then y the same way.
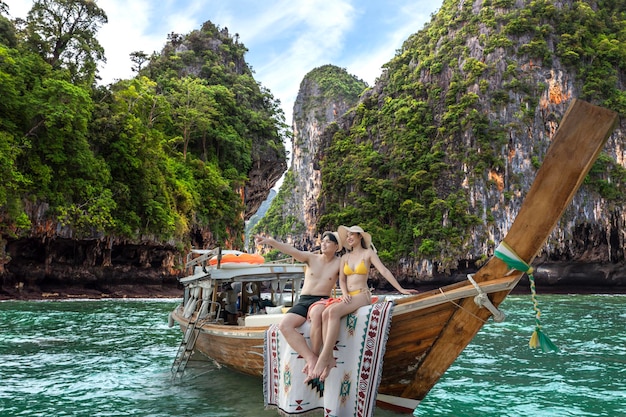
x: 153, y: 157
x: 431, y: 127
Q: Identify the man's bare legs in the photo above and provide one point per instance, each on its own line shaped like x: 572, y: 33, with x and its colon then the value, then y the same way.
x: 315, y: 316
x: 315, y: 335
x: 296, y: 340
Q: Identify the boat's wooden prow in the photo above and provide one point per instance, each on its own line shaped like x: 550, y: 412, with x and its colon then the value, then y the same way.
x: 579, y: 139
x: 577, y: 143
x: 429, y: 330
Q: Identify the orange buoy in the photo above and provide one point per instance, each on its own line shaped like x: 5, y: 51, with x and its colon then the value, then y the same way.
x: 241, y: 257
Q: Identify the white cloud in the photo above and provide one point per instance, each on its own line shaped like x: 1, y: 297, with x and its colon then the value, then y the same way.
x: 123, y: 34
x: 141, y: 25
x: 311, y: 34
x: 411, y: 18
x: 286, y: 39
x: 19, y: 8
x: 183, y: 18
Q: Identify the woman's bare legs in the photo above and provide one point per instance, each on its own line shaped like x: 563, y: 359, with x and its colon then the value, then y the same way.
x: 331, y: 319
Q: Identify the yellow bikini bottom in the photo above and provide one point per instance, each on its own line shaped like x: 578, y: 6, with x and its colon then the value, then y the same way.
x: 359, y: 291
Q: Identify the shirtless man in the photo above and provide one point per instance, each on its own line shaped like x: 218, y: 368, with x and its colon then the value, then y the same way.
x: 320, y: 278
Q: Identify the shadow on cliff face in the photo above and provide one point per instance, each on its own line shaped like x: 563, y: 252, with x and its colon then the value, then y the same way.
x: 65, y: 268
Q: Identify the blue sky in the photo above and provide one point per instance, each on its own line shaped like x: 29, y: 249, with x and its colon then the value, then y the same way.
x: 285, y: 38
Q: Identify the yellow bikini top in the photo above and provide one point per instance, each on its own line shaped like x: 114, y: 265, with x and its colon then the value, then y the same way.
x: 360, y: 269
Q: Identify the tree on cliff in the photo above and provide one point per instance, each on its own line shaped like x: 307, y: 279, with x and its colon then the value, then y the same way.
x: 63, y: 32
x: 163, y: 158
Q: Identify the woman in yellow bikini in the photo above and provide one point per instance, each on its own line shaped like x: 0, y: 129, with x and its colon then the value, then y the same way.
x: 353, y: 273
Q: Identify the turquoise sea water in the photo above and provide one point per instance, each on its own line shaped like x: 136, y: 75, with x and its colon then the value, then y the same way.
x: 113, y: 358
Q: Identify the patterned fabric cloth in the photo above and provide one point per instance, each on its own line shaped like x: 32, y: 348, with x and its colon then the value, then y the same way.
x: 350, y: 388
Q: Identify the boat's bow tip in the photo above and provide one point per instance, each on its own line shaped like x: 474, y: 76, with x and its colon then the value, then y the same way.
x: 397, y: 404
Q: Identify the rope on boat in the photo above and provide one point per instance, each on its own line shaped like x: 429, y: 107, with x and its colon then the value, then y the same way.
x: 538, y: 339
x: 460, y: 306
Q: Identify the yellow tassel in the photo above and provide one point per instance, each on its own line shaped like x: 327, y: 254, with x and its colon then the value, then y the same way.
x: 534, y: 340
x: 512, y: 260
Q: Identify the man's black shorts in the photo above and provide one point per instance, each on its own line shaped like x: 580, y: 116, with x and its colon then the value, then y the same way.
x: 301, y: 308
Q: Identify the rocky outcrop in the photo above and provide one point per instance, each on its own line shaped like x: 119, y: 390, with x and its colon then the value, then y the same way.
x: 494, y: 93
x: 326, y: 93
x: 69, y: 268
x: 241, y: 148
x: 268, y: 156
x: 265, y: 173
x: 51, y: 259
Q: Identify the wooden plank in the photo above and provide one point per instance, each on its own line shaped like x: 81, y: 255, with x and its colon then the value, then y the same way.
x: 410, y: 337
x: 415, y: 345
x: 452, y: 293
x: 405, y: 334
x: 242, y: 355
x: 576, y: 145
x: 425, y: 316
x: 406, y: 358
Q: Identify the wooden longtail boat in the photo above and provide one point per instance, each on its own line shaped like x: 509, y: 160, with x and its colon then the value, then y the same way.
x: 429, y: 330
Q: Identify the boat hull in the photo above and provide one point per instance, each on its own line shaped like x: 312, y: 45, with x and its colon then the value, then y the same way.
x: 416, y: 323
x: 430, y: 330
x: 238, y: 348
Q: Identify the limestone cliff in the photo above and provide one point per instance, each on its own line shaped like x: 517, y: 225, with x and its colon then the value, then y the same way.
x: 325, y: 94
x: 266, y: 170
x: 436, y: 158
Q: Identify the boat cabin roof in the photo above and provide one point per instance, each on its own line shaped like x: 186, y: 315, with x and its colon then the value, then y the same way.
x: 248, y: 273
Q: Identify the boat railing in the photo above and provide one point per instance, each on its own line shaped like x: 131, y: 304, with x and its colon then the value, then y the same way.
x: 289, y: 260
x: 210, y: 311
x: 199, y: 257
x: 277, y: 281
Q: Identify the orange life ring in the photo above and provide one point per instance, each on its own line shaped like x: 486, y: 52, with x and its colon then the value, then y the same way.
x: 244, y: 258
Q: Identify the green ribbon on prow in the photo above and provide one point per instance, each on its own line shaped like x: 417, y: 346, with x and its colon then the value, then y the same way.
x: 538, y: 340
